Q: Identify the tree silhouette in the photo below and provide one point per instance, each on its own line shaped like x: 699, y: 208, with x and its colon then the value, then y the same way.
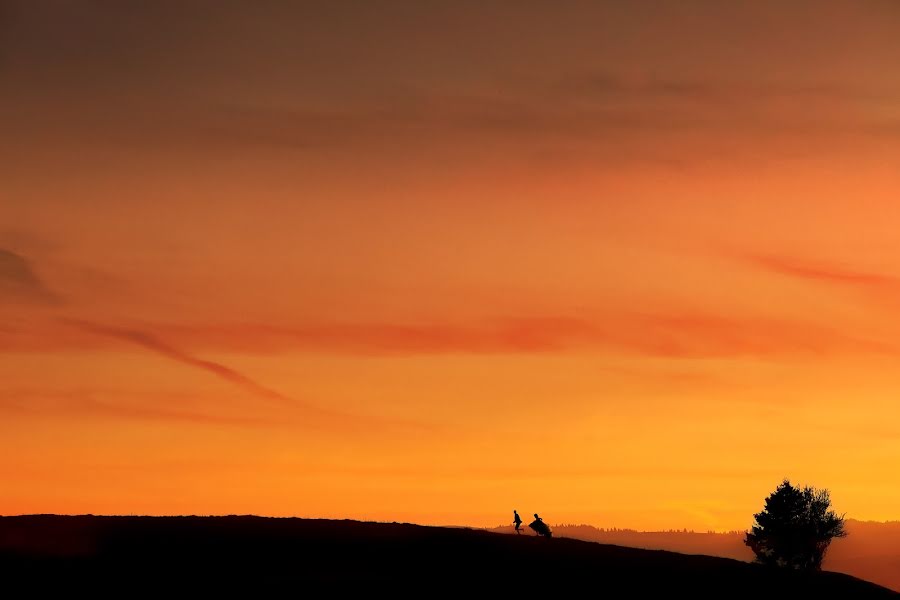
x: 795, y: 528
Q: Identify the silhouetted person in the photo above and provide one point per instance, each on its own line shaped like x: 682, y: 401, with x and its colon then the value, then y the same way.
x: 517, y: 521
x: 540, y: 527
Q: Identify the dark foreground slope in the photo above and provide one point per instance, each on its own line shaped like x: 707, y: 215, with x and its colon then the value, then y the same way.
x: 178, y: 554
x: 870, y: 551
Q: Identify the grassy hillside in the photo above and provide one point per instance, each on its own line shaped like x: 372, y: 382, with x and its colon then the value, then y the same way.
x: 295, y: 555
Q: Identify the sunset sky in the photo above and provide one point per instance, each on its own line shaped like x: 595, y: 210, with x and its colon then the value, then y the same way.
x: 624, y: 263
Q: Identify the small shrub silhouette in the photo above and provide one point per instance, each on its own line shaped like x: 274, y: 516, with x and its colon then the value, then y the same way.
x: 795, y: 528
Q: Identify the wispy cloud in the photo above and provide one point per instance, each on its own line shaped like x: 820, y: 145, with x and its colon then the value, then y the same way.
x: 83, y: 403
x: 311, y: 416
x: 153, y: 344
x: 824, y: 272
x: 670, y: 335
x: 599, y: 110
x: 19, y: 283
x: 725, y: 93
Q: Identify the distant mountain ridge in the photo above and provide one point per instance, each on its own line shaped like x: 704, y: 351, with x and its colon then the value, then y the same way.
x: 871, y: 551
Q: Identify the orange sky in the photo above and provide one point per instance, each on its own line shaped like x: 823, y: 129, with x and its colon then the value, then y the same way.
x: 628, y: 265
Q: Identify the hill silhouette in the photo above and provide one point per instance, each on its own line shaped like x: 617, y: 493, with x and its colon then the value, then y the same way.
x: 871, y: 551
x: 128, y: 554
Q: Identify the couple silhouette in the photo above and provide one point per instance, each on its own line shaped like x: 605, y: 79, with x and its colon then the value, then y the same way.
x: 537, y: 525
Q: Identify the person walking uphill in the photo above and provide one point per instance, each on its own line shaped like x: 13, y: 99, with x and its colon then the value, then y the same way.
x: 517, y: 521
